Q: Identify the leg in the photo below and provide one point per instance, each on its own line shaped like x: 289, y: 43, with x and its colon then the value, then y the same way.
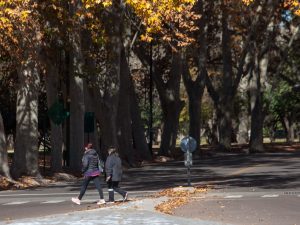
x: 110, y: 191
x: 85, y: 183
x: 115, y: 185
x: 98, y: 186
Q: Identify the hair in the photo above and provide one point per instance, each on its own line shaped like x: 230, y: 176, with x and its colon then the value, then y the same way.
x: 89, y: 145
x: 111, y: 150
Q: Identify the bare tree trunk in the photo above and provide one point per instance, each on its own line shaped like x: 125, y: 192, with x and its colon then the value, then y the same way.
x: 171, y: 105
x: 195, y: 88
x: 257, y: 117
x: 4, y: 168
x: 137, y: 128
x: 225, y: 108
x: 124, y: 114
x: 26, y: 152
x: 243, y: 127
x: 52, y: 91
x: 90, y: 106
x: 290, y: 131
x: 77, y: 107
x: 112, y: 81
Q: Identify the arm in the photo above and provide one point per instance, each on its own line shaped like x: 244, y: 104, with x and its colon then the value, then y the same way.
x: 85, y: 163
x: 108, y: 168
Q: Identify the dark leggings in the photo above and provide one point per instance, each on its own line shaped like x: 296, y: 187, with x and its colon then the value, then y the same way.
x: 114, y: 185
x: 86, y: 182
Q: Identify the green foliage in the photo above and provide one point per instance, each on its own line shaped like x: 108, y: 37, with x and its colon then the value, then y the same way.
x: 282, y: 100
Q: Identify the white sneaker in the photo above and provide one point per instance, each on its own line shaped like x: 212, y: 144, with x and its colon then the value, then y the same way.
x: 76, y: 201
x: 125, y: 197
x: 101, y: 202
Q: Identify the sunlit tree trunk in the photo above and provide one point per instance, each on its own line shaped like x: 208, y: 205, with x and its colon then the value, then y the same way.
x: 256, y: 103
x: 290, y: 129
x: 4, y: 169
x: 26, y: 152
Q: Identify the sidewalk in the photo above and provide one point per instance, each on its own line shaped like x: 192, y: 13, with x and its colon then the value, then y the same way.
x: 135, y: 212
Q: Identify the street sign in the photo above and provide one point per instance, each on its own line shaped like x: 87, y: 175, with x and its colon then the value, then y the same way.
x: 188, y: 144
x: 57, y: 113
x: 89, y: 120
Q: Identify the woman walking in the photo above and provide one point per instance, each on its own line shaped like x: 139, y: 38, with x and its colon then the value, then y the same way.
x: 113, y: 169
x: 91, y: 171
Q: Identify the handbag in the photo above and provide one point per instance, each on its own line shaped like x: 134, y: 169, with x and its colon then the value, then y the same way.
x: 101, y: 165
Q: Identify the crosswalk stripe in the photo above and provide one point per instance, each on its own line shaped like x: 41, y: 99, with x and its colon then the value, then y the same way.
x: 53, y: 202
x: 270, y: 196
x: 233, y: 196
x: 15, y: 203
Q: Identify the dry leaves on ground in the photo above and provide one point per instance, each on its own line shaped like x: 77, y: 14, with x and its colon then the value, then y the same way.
x: 178, y: 197
x: 22, y: 183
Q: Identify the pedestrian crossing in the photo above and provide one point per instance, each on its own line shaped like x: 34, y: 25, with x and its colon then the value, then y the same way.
x: 208, y: 197
x: 16, y: 203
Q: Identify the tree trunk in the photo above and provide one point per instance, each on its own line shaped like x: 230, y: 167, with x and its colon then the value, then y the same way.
x: 77, y: 107
x: 290, y: 131
x: 4, y: 168
x: 52, y: 86
x: 171, y: 113
x: 112, y: 82
x: 195, y: 90
x: 139, y: 137
x: 243, y: 127
x: 26, y: 152
x: 124, y: 115
x: 257, y: 117
x: 171, y: 105
x: 225, y: 108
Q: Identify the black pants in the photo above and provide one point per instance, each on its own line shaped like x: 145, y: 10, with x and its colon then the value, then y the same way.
x: 114, y: 186
x: 85, y: 184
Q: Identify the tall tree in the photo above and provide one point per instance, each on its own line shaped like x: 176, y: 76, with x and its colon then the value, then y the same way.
x: 77, y: 108
x: 4, y: 168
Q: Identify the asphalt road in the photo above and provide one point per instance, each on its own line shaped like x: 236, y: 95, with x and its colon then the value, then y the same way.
x: 255, y: 181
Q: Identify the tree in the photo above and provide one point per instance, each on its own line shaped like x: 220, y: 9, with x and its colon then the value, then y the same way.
x: 4, y: 169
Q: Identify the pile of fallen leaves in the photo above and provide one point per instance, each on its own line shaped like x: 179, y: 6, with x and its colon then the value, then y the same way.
x: 177, y: 197
x: 22, y: 183
x: 31, y: 182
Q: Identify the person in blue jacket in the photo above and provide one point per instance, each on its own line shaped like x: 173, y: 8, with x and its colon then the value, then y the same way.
x: 90, y: 169
x: 113, y: 169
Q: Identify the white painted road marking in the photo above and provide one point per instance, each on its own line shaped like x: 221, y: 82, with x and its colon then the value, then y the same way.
x: 233, y: 196
x: 70, y: 193
x: 15, y: 203
x: 53, y: 202
x: 270, y: 196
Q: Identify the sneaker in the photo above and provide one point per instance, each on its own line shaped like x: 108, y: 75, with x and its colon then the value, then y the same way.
x: 101, y: 202
x: 76, y: 201
x: 125, y: 197
x: 110, y: 202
